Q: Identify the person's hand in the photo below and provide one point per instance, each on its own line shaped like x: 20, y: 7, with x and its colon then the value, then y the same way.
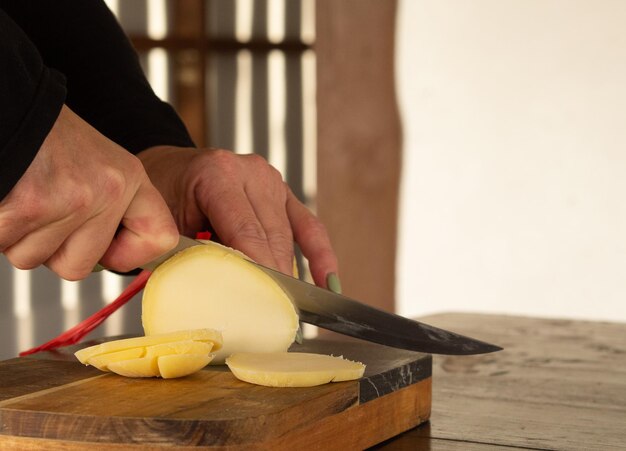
x: 247, y: 204
x: 67, y: 208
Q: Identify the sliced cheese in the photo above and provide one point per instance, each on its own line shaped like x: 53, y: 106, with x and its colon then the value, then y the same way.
x: 103, y: 360
x: 207, y: 335
x: 141, y: 367
x: 213, y: 286
x: 179, y: 347
x: 292, y: 369
x: 179, y: 365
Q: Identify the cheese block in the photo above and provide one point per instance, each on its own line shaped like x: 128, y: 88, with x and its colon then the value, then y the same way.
x: 212, y: 286
x: 205, y: 335
x: 292, y: 369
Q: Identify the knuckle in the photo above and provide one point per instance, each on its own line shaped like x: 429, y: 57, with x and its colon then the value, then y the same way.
x: 165, y: 238
x: 314, y: 227
x: 22, y: 261
x: 170, y: 234
x: 262, y: 167
x: 80, y: 199
x: 219, y: 161
x: 113, y: 183
x: 222, y: 158
x: 68, y: 270
x: 313, y: 230
x: 69, y: 266
x: 74, y: 274
x: 134, y: 166
x: 257, y: 160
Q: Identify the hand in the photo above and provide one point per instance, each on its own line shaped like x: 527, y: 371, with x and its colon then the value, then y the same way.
x: 245, y: 201
x: 65, y: 210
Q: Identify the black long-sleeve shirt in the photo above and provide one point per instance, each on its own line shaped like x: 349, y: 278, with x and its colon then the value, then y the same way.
x: 72, y: 52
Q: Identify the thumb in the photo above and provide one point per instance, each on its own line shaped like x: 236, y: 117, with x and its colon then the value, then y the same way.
x: 147, y: 231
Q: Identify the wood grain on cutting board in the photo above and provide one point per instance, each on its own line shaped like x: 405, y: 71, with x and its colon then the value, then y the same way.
x: 62, y: 404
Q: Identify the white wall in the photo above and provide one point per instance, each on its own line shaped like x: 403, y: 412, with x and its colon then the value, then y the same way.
x: 515, y: 157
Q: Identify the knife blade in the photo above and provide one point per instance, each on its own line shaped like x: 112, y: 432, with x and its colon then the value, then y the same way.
x: 347, y: 316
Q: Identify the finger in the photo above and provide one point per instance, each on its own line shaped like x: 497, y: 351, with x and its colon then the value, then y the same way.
x: 21, y: 215
x: 83, y: 248
x: 37, y: 247
x: 235, y: 222
x: 269, y: 206
x: 311, y: 236
x: 148, y: 231
x: 12, y: 230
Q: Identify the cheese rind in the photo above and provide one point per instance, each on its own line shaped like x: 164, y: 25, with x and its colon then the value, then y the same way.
x: 293, y: 369
x: 207, y: 335
x: 214, y: 286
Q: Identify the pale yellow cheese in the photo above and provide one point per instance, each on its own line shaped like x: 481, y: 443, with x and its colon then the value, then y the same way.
x: 213, y: 286
x: 178, y: 347
x: 141, y: 367
x: 178, y: 365
x: 102, y: 361
x: 206, y: 335
x: 292, y: 369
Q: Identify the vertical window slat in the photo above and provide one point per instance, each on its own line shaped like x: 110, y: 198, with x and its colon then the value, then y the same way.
x: 309, y: 128
x: 278, y: 113
x: 243, y: 125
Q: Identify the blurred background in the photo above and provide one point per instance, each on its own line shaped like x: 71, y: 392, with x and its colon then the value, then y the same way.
x: 464, y: 156
x: 514, y: 157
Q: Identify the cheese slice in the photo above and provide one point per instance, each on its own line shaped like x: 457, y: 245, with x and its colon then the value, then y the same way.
x: 292, y: 369
x: 167, y: 366
x: 178, y: 365
x: 213, y: 286
x: 179, y: 347
x: 141, y: 367
x: 103, y: 360
x: 206, y: 335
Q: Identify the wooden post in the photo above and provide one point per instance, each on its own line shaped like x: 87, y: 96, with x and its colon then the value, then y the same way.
x: 190, y: 68
x: 359, y: 143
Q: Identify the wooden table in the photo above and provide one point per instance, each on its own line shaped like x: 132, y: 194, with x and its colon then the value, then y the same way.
x: 558, y: 384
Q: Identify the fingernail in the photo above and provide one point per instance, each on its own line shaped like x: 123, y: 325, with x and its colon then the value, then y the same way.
x: 333, y: 283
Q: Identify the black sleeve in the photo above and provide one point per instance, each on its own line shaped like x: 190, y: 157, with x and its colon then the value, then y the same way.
x: 31, y: 97
x: 105, y: 83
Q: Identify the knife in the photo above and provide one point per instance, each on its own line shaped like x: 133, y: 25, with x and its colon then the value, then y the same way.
x: 339, y: 313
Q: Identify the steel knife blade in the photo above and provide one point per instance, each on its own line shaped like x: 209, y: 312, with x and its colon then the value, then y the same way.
x: 339, y: 313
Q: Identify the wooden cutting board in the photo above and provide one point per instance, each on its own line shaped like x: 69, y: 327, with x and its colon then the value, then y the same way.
x: 50, y: 401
